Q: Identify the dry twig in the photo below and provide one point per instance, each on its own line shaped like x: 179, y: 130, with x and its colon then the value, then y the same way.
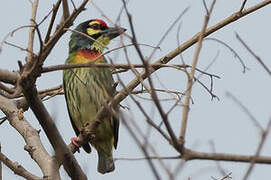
x: 264, y: 134
x: 32, y: 30
x: 254, y: 55
x: 192, y: 73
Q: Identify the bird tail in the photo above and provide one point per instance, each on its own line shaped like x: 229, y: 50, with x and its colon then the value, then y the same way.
x: 105, y: 163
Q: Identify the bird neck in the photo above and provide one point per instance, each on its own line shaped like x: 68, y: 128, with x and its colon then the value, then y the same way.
x: 87, y: 55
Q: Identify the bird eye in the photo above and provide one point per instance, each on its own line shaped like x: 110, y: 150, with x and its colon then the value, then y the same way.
x: 95, y: 26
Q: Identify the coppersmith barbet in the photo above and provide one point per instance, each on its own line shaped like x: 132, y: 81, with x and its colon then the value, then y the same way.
x: 87, y: 89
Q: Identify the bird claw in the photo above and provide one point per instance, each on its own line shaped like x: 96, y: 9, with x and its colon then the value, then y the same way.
x: 74, y: 141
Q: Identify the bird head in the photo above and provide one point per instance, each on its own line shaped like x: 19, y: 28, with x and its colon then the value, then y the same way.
x: 93, y: 35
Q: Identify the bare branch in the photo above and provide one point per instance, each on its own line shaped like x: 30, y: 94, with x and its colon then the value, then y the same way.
x: 86, y: 36
x: 232, y: 50
x: 243, y: 6
x: 55, y: 10
x: 254, y: 55
x: 143, y: 149
x: 21, y: 48
x: 2, y: 120
x: 11, y: 34
x: 33, y: 143
x: 192, y: 73
x: 32, y: 30
x: 149, y: 157
x: 5, y: 88
x: 66, y: 11
x: 8, y: 77
x: 219, y: 167
x: 168, y: 30
x: 89, y: 130
x: 193, y: 155
x: 114, y: 66
x: 246, y: 110
x: 258, y: 151
x: 29, y: 74
x: 0, y: 164
x: 62, y: 153
x: 153, y: 93
x: 227, y: 176
x: 60, y: 31
x: 17, y: 168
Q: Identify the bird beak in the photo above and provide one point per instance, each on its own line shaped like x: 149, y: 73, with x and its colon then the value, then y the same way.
x: 113, y: 32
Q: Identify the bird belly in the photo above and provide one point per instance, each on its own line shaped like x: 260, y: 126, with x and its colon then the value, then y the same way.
x: 86, y: 93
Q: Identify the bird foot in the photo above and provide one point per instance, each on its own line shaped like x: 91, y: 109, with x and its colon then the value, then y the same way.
x: 74, y: 141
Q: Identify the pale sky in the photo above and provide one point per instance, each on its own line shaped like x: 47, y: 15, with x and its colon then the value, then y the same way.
x: 222, y: 121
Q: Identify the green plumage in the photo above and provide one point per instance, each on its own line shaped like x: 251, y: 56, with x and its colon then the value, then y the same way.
x: 86, y: 91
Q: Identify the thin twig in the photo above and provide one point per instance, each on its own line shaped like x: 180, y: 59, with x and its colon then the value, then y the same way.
x: 20, y: 48
x: 228, y: 176
x: 259, y: 149
x: 66, y: 11
x: 150, y: 157
x: 254, y: 55
x: 168, y: 31
x: 232, y: 50
x: 218, y: 165
x: 205, y: 6
x: 11, y: 33
x: 192, y: 155
x: 192, y: 73
x: 243, y: 5
x: 48, y: 90
x: 153, y: 93
x: 32, y: 30
x: 246, y: 110
x: 102, y: 65
x: 133, y: 134
x: 87, y: 36
x: 0, y: 164
x: 55, y: 10
x: 149, y: 120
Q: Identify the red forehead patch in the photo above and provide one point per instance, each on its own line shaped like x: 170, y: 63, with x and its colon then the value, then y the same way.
x: 100, y: 21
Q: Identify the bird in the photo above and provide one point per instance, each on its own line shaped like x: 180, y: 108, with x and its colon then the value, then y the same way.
x: 87, y: 89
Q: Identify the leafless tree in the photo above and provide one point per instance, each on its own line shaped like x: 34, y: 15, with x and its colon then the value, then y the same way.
x: 18, y: 93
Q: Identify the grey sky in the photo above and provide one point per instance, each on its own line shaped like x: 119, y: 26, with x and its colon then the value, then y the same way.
x: 221, y: 121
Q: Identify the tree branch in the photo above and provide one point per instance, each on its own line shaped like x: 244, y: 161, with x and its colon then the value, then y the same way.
x: 243, y: 5
x: 29, y: 74
x: 194, y: 155
x: 254, y: 55
x: 0, y: 165
x: 32, y: 30
x: 191, y: 75
x: 17, y: 168
x: 55, y: 10
x: 8, y: 77
x: 89, y: 130
x: 264, y: 134
x: 31, y: 137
